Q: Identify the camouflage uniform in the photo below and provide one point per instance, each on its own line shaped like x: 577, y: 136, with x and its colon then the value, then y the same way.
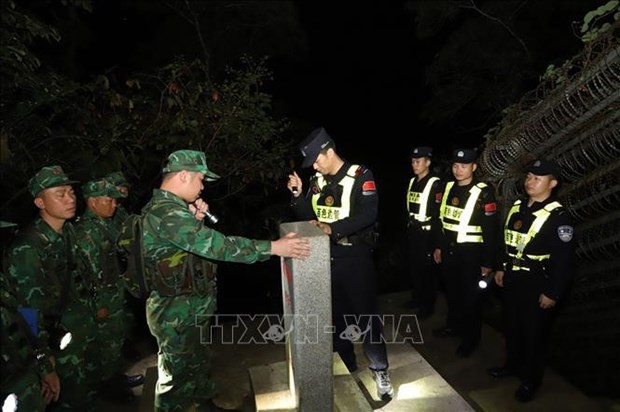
x: 118, y: 179
x: 178, y: 250
x: 42, y: 267
x: 135, y: 319
x: 23, y: 363
x: 97, y: 255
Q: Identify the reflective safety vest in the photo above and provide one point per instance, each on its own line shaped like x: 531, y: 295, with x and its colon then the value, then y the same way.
x: 516, y: 242
x: 421, y: 199
x: 466, y: 233
x: 331, y: 213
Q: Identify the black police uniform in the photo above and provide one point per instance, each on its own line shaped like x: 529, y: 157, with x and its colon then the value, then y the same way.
x: 545, y: 266
x: 462, y: 259
x: 353, y: 273
x: 422, y: 268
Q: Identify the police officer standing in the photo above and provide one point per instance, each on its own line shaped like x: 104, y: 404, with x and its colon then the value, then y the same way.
x: 342, y: 201
x: 423, y: 199
x: 179, y: 255
x: 467, y: 245
x: 537, y: 259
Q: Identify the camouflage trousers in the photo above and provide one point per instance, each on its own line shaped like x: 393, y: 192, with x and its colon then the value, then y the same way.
x: 27, y: 391
x: 110, y: 334
x: 75, y: 369
x: 183, y: 360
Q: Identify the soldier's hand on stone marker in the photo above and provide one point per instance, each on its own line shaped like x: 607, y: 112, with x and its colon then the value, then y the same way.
x: 291, y: 246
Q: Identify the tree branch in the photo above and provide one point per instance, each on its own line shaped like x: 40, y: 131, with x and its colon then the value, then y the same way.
x: 499, y: 21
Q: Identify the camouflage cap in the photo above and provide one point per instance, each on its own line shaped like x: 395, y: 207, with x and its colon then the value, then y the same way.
x: 100, y: 187
x: 48, y: 176
x: 117, y: 178
x: 190, y: 160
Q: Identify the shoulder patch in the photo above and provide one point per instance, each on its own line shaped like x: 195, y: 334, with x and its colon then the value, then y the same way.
x: 360, y: 170
x: 565, y: 233
x: 369, y: 186
x: 490, y: 208
x: 438, y: 197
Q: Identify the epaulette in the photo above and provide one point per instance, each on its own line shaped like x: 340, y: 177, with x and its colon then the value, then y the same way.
x: 361, y: 169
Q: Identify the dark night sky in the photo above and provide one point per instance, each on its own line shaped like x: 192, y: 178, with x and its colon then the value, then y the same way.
x: 357, y: 69
x: 360, y: 69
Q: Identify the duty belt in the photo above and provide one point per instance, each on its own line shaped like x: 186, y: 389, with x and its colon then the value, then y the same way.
x: 417, y: 225
x: 525, y: 265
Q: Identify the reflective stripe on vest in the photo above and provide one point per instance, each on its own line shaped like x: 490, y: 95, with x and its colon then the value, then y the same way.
x: 330, y: 214
x: 420, y: 199
x: 466, y: 233
x: 519, y: 240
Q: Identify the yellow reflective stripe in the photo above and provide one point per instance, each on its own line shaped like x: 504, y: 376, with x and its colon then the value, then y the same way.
x: 414, y: 197
x: 455, y: 228
x: 465, y: 233
x: 420, y: 199
x: 514, y: 238
x: 520, y: 240
x: 444, y: 200
x: 538, y: 258
x: 409, y: 200
x: 424, y: 200
x: 330, y: 214
x: 514, y: 209
x: 468, y: 212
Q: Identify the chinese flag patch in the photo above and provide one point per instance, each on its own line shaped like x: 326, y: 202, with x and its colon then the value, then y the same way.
x: 490, y: 207
x: 369, y: 186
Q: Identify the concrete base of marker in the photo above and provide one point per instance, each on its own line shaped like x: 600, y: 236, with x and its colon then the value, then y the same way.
x: 270, y: 388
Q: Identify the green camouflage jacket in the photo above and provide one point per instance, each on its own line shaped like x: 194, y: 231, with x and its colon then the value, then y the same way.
x: 42, y: 267
x: 18, y: 346
x: 174, y: 243
x: 117, y: 220
x: 96, y: 248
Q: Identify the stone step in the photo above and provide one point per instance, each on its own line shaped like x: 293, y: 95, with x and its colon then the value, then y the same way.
x: 270, y: 388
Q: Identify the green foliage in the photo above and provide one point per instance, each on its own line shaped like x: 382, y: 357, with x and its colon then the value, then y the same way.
x: 133, y: 123
x: 596, y: 22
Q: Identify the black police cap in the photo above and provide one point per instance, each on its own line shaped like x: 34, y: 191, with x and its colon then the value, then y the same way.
x: 422, y: 151
x: 316, y: 141
x: 464, y: 156
x: 543, y: 167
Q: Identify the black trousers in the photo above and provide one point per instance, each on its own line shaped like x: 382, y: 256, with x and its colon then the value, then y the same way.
x: 527, y: 326
x: 423, y: 273
x: 460, y: 273
x: 354, y: 308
